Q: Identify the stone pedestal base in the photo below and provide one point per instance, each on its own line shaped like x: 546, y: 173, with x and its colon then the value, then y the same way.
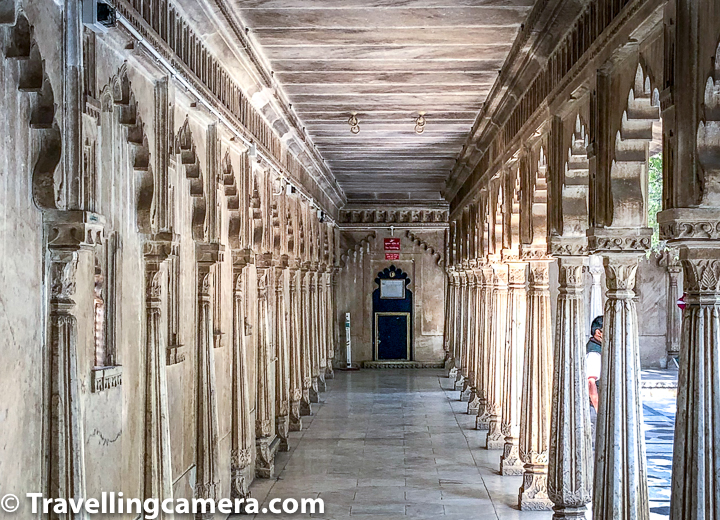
x: 313, y: 391
x: 329, y: 372
x: 452, y: 373
x: 466, y: 393
x: 495, y: 440
x: 295, y: 420
x: 266, y: 447
x: 473, y: 403
x: 482, y: 422
x: 570, y: 512
x: 459, y: 382
x: 305, y: 406
x: 533, y: 493
x: 282, y: 427
x: 321, y: 384
x: 510, y: 463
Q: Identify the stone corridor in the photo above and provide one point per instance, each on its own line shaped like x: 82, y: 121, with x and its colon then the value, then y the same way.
x: 390, y: 443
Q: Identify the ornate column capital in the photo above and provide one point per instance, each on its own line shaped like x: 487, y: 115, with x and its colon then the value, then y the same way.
x: 619, y: 240
x: 73, y: 230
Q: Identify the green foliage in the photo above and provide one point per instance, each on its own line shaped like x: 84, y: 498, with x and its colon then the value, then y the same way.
x: 655, y: 188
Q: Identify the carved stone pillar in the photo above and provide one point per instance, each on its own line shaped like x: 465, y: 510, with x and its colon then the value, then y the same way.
x: 451, y: 313
x: 207, y: 472
x: 68, y: 236
x: 510, y: 463
x: 536, y: 391
x: 242, y: 440
x: 477, y: 332
x: 570, y: 466
x: 304, y: 338
x: 467, y: 392
x: 482, y: 421
x: 282, y: 364
x: 321, y: 332
x: 330, y: 286
x: 157, y: 472
x: 296, y: 357
x: 266, y: 440
x: 620, y: 483
x: 460, y: 337
x: 312, y: 338
x: 696, y: 451
x: 496, y: 369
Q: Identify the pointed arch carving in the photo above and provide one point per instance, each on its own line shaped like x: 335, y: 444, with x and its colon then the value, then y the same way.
x: 355, y: 248
x: 232, y: 197
x: 418, y: 241
x: 708, y: 138
x: 256, y: 213
x: 22, y: 49
x: 185, y: 147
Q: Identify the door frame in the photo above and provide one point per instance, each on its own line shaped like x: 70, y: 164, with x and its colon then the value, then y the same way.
x: 377, y: 336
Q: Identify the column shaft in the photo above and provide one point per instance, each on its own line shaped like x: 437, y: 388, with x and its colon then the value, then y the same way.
x: 571, y: 465
x: 536, y: 393
x: 496, y: 359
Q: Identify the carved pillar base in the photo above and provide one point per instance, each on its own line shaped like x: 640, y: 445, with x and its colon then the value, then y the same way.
x: 495, y: 440
x: 266, y: 448
x: 459, y: 381
x: 452, y: 371
x: 240, y: 474
x: 466, y: 392
x: 510, y: 463
x: 473, y: 403
x: 329, y: 372
x: 482, y: 422
x: 533, y: 493
x: 305, y: 406
x: 295, y: 419
x: 322, y: 385
x: 314, y: 390
x: 282, y: 427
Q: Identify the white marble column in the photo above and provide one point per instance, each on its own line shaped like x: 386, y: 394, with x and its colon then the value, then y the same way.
x: 266, y: 441
x: 207, y: 471
x: 483, y: 419
x: 475, y: 365
x: 510, y: 463
x: 312, y: 337
x: 696, y: 453
x: 674, y: 314
x: 469, y: 336
x: 242, y: 432
x: 450, y: 326
x: 495, y: 439
x: 461, y: 330
x: 305, y: 339
x: 330, y: 325
x: 296, y: 357
x: 321, y: 332
x: 282, y: 366
x: 571, y: 465
x: 157, y: 472
x: 65, y: 477
x: 536, y: 393
x: 620, y: 483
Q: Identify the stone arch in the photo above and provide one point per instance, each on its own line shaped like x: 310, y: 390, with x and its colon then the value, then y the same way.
x: 275, y: 217
x: 232, y: 197
x: 708, y: 137
x: 256, y: 213
x: 512, y: 232
x: 22, y: 48
x: 628, y: 171
x: 185, y: 147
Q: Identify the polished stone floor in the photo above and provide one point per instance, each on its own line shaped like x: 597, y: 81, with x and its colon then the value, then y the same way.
x: 385, y: 444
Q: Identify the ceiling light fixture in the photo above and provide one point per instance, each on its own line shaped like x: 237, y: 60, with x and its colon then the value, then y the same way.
x: 354, y: 124
x: 420, y: 124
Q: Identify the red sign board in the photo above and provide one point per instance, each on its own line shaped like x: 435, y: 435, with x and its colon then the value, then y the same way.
x: 392, y: 244
x: 392, y: 256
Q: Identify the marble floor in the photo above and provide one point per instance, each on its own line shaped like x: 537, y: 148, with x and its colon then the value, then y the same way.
x: 386, y: 444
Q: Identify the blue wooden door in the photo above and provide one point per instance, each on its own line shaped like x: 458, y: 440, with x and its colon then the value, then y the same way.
x: 392, y: 336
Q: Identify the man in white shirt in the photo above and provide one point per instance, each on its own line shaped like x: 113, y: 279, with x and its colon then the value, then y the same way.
x: 593, y: 366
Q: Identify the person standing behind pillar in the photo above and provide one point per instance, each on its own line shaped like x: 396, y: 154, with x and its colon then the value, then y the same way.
x: 593, y: 363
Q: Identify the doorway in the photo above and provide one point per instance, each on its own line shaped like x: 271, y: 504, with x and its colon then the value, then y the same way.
x: 392, y: 316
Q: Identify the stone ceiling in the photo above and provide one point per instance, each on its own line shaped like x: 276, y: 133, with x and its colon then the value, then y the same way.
x: 387, y: 61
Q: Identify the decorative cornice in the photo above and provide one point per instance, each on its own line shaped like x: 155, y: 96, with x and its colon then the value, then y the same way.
x: 619, y: 240
x: 393, y: 216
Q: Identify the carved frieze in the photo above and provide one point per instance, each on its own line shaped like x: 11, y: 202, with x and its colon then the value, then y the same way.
x: 393, y: 216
